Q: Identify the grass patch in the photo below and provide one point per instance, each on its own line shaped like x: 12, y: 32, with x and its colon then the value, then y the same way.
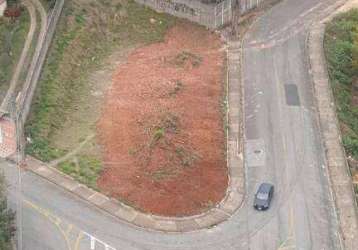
x: 341, y: 48
x: 12, y: 39
x: 186, y: 157
x: 164, y: 174
x: 185, y: 57
x: 84, y: 169
x: 177, y: 88
x: 88, y: 32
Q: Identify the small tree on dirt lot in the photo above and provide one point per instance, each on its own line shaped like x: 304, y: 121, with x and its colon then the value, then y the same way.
x: 7, y: 227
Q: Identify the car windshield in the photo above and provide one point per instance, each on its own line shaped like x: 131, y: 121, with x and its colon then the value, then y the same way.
x: 262, y: 196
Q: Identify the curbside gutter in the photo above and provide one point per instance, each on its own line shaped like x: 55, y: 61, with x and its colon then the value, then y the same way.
x: 235, y: 192
x: 339, y: 176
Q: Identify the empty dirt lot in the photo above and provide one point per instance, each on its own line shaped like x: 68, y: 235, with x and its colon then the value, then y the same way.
x: 162, y: 125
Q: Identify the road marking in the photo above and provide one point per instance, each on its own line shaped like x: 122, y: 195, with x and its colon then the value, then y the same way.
x: 70, y: 228
x: 290, y: 242
x: 94, y: 240
x: 296, y: 25
x: 78, y: 240
x: 53, y: 219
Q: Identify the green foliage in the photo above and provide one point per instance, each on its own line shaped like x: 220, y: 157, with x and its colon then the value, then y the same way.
x: 41, y: 149
x: 85, y: 169
x: 75, y: 53
x: 341, y: 47
x: 12, y: 39
x: 7, y: 217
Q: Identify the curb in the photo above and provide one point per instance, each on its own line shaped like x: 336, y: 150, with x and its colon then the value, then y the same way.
x: 339, y: 177
x: 235, y: 192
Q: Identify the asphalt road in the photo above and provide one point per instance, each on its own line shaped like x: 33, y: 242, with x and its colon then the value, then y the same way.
x: 282, y: 146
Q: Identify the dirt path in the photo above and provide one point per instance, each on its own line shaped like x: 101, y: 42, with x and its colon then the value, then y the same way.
x: 161, y: 127
x: 15, y: 77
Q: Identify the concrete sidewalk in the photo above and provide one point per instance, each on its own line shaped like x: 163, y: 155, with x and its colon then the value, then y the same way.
x: 340, y: 178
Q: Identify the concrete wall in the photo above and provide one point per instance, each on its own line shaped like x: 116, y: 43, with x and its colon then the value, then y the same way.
x: 209, y: 15
x: 2, y: 7
x: 247, y: 5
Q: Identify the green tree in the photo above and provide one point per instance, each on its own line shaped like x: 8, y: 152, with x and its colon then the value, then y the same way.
x: 7, y: 217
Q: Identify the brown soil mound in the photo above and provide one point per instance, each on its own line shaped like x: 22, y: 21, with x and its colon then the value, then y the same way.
x: 162, y: 129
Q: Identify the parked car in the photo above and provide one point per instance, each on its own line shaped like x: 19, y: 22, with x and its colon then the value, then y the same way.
x: 263, y: 196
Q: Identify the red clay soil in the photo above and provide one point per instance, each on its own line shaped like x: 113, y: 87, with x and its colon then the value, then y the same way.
x: 162, y: 126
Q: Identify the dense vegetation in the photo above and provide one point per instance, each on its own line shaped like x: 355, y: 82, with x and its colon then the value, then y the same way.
x: 341, y: 46
x: 12, y: 38
x: 75, y: 53
x: 7, y: 228
x: 88, y: 32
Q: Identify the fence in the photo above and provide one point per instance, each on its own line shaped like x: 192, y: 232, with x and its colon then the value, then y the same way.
x: 247, y: 5
x: 209, y: 15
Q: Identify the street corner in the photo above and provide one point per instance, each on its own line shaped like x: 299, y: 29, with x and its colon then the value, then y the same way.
x: 7, y: 137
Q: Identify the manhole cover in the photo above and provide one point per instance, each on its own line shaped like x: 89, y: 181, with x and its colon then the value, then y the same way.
x: 255, y: 155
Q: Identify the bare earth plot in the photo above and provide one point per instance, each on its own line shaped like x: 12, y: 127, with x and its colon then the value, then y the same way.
x: 162, y: 127
x: 137, y: 112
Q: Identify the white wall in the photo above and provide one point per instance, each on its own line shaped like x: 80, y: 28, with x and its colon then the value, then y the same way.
x: 2, y: 8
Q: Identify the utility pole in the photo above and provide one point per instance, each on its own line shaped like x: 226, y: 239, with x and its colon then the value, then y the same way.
x: 15, y: 115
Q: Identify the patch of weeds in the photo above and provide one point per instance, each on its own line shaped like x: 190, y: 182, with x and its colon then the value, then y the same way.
x: 84, y: 169
x: 178, y: 87
x: 170, y: 123
x: 41, y: 149
x: 185, y: 157
x: 164, y: 174
x: 207, y: 205
x: 131, y: 151
x: 159, y: 134
x: 341, y: 49
x: 130, y: 204
x: 185, y: 57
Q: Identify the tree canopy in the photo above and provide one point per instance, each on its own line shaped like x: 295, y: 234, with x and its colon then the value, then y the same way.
x: 7, y: 226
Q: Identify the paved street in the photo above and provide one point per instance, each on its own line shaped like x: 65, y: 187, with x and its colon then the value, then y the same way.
x: 282, y: 146
x: 280, y: 121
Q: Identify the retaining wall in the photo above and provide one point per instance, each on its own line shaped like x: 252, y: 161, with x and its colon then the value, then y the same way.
x: 247, y: 5
x: 209, y: 15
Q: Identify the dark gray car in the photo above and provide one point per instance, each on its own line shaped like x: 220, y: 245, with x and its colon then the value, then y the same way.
x: 263, y: 196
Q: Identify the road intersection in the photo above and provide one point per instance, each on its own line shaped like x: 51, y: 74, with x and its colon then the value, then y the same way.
x: 282, y: 145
